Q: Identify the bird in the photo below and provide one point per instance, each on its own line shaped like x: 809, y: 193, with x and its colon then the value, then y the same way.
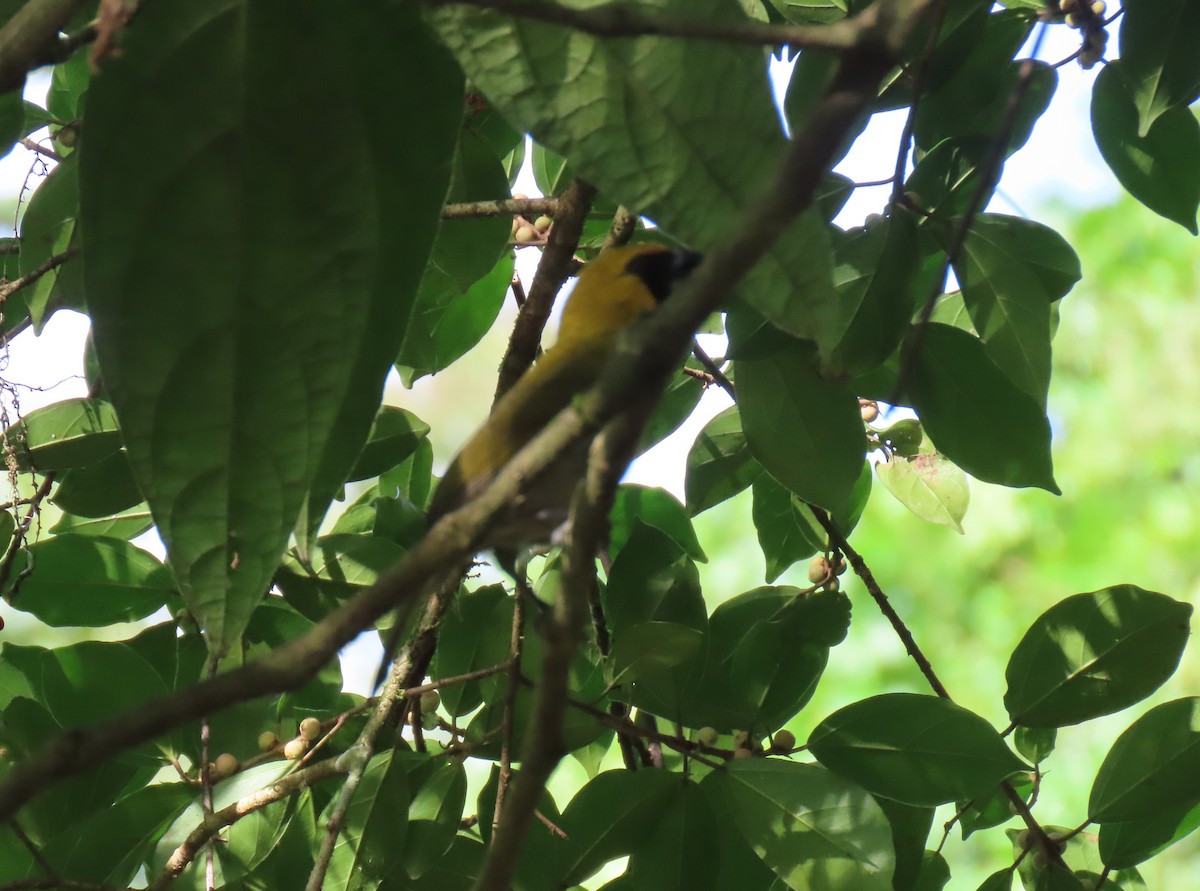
x: 616, y: 289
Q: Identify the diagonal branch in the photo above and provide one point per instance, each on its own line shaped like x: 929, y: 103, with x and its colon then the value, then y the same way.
x: 625, y: 20
x: 27, y: 38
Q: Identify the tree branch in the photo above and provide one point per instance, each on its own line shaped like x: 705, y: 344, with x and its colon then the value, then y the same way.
x: 500, y: 207
x: 552, y: 271
x: 7, y: 290
x: 623, y: 20
x: 27, y: 38
x: 218, y: 820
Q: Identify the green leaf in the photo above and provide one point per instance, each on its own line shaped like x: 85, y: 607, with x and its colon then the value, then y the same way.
x: 72, y: 433
x: 805, y: 430
x: 910, y: 831
x: 394, y: 436
x: 653, y: 580
x: 246, y: 843
x: 1156, y: 167
x: 1127, y: 844
x: 469, y: 271
x: 928, y: 485
x: 682, y: 847
x: 676, y: 131
x: 1095, y: 654
x: 12, y: 120
x: 1001, y: 880
x: 994, y: 809
x: 678, y: 401
x: 98, y: 490
x: 875, y: 273
x: 787, y: 530
x: 370, y: 846
x: 450, y: 319
x: 719, y: 464
x: 464, y: 645
x: 920, y: 750
x: 92, y: 581
x: 649, y: 648
x: 1035, y: 743
x: 111, y: 845
x: 1010, y: 271
x: 435, y: 812
x: 247, y: 356
x: 813, y: 828
x: 1153, y: 766
x: 767, y: 650
x: 653, y: 507
x: 976, y: 416
x: 1159, y: 56
x: 47, y: 229
x: 611, y: 817
x: 127, y: 524
x: 944, y: 182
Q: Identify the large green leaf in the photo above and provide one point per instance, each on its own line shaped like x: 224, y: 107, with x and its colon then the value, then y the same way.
x: 813, y: 828
x: 719, y: 464
x: 928, y: 485
x: 48, y: 229
x: 1010, y: 271
x: 806, y: 430
x: 371, y: 844
x: 921, y: 750
x: 680, y: 132
x: 1157, y: 167
x: 976, y: 416
x: 1153, y: 767
x: 469, y: 270
x: 1095, y: 654
x: 250, y: 285
x: 611, y: 816
x: 71, y: 433
x: 875, y: 273
x: 1158, y: 52
x: 91, y: 581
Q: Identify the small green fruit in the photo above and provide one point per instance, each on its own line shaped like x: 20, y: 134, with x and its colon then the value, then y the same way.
x: 226, y: 765
x: 784, y: 741
x: 818, y: 569
x: 707, y: 737
x: 310, y: 729
x: 430, y: 700
x: 542, y: 223
x: 267, y: 741
x: 295, y: 748
x: 526, y: 235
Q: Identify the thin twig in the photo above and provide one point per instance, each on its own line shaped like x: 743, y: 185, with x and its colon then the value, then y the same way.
x: 206, y: 781
x: 881, y: 600
x: 502, y: 207
x: 516, y: 638
x: 918, y: 88
x: 46, y: 151
x: 713, y: 369
x: 21, y: 532
x: 10, y: 288
x: 624, y: 224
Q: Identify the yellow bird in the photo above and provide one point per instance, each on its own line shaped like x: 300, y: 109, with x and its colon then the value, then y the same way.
x: 615, y: 290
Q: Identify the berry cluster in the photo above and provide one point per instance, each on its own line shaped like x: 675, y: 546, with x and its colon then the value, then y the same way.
x: 1088, y: 18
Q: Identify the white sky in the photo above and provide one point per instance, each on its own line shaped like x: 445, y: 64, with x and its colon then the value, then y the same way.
x: 1059, y: 163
